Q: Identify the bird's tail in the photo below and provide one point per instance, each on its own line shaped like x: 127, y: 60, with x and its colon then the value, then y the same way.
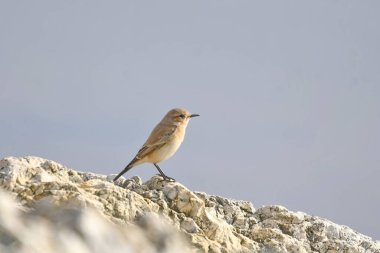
x: 128, y: 167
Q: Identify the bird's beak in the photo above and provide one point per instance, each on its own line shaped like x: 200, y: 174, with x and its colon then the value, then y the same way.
x: 194, y: 115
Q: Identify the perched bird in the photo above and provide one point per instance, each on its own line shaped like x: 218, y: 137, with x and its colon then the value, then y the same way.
x: 163, y: 141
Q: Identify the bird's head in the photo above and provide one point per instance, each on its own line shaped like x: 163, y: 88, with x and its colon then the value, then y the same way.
x: 179, y: 116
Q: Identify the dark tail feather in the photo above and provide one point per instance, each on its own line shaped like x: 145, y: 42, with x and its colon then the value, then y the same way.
x: 129, y: 166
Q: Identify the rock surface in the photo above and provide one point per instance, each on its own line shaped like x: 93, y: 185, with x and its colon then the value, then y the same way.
x: 57, y: 209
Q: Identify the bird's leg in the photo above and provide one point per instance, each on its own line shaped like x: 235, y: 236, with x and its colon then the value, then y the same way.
x: 162, y: 173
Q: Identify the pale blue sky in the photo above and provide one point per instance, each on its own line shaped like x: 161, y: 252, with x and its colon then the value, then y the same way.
x: 288, y: 92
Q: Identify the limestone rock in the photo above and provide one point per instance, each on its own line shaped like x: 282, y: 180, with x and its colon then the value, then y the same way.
x: 65, y: 208
x: 50, y: 229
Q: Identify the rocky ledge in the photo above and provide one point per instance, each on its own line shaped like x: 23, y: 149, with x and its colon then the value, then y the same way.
x: 52, y: 208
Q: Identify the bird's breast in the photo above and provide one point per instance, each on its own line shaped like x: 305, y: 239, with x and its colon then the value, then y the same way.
x: 169, y: 149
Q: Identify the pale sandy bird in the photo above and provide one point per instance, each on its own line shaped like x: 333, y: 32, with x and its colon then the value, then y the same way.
x: 163, y: 141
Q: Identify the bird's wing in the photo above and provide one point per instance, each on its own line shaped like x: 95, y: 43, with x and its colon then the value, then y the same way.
x: 158, y: 138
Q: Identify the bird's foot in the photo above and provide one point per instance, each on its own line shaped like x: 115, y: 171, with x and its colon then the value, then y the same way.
x: 166, y: 178
x: 169, y: 179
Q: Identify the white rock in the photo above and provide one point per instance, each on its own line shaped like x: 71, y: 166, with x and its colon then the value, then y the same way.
x: 69, y: 211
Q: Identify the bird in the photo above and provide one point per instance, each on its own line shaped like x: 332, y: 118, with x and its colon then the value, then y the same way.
x: 163, y: 141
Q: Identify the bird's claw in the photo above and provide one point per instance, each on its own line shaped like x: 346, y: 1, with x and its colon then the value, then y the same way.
x: 169, y: 179
x: 166, y: 178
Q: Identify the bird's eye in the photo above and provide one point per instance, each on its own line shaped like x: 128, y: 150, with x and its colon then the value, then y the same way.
x: 182, y: 116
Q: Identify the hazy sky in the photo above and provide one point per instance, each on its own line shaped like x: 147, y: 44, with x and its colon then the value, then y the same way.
x: 288, y: 92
